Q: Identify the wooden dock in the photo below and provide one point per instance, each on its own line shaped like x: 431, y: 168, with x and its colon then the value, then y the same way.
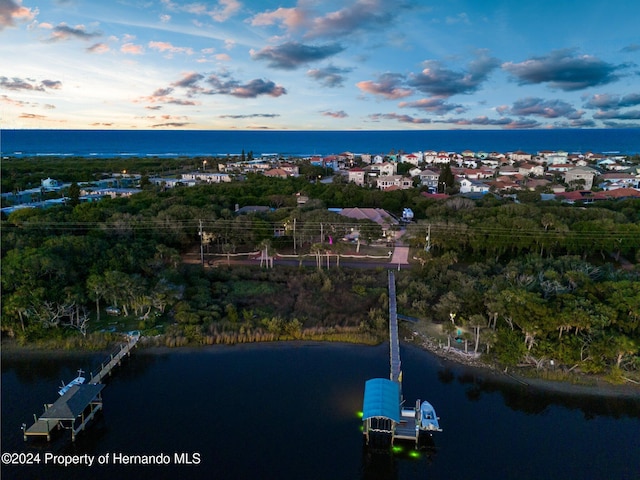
x: 385, y: 417
x: 80, y: 404
x: 115, y: 359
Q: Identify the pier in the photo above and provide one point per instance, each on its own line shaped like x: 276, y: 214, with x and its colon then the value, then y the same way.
x: 386, y: 418
x: 80, y: 403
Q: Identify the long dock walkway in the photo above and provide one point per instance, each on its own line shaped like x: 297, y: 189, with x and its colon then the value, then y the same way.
x: 394, y: 341
x: 115, y: 359
x: 80, y: 403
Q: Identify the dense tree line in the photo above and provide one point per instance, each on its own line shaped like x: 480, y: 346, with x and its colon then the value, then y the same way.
x: 527, y: 282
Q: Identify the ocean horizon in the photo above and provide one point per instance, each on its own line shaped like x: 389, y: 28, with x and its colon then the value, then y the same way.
x: 303, y: 143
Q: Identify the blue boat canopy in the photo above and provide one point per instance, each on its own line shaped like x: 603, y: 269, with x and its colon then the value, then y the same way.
x: 381, y: 399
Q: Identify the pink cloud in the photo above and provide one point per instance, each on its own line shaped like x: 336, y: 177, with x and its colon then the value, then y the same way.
x: 170, y: 48
x: 290, y: 17
x: 98, y: 48
x: 384, y: 89
x: 132, y: 49
x: 12, y: 11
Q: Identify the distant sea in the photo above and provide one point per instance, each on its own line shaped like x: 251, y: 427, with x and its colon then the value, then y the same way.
x: 196, y: 143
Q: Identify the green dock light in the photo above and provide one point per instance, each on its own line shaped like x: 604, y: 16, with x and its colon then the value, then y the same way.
x: 414, y: 454
x: 397, y: 449
x: 360, y: 414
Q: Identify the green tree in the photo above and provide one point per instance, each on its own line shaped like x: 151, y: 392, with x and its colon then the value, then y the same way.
x: 73, y: 192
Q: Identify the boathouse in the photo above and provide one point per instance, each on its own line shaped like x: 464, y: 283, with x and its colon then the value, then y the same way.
x: 72, y: 411
x: 381, y: 410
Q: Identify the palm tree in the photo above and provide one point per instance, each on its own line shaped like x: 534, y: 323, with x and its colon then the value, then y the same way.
x: 97, y: 287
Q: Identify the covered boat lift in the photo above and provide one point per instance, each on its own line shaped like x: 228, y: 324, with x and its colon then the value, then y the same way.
x: 381, y: 410
x: 72, y: 411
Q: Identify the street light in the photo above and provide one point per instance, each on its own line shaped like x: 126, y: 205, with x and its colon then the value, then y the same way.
x: 204, y: 165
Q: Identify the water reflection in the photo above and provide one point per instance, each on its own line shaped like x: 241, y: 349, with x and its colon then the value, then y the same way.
x: 534, y: 401
x: 386, y: 463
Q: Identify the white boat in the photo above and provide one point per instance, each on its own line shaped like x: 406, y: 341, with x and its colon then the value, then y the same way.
x: 79, y: 380
x: 428, y: 418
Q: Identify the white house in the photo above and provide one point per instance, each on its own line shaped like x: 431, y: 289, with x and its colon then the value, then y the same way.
x: 442, y: 157
x: 208, y: 177
x: 471, y: 186
x: 412, y: 158
x: 430, y: 156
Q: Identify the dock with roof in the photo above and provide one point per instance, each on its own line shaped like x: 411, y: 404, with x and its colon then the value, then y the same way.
x: 80, y: 403
x: 385, y: 417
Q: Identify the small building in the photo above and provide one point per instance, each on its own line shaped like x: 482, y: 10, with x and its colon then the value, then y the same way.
x: 380, y: 411
x: 50, y: 184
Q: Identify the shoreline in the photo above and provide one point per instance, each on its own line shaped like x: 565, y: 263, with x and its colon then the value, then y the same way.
x: 590, y: 386
x: 593, y: 386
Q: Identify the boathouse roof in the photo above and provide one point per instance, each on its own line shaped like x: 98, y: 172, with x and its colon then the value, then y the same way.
x: 73, y: 402
x: 381, y: 399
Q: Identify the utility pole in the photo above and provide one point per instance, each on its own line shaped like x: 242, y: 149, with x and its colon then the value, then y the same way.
x: 201, y: 244
x: 427, y: 247
x: 294, y: 235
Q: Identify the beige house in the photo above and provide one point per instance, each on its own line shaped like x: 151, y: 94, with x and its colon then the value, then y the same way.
x: 357, y: 176
x: 581, y: 173
x: 394, y: 181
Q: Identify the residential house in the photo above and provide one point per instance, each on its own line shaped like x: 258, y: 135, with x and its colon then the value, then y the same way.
x: 612, y: 181
x: 291, y: 169
x: 491, y: 162
x: 508, y: 170
x: 580, y: 173
x: 430, y: 156
x: 387, y: 168
x: 442, y: 157
x: 534, y: 183
x: 414, y: 172
x: 429, y: 179
x: 394, y: 181
x: 276, y: 172
x: 412, y: 158
x: 520, y: 156
x: 531, y: 170
x: 619, y: 193
x: 472, y: 186
x: 208, y: 177
x: 357, y: 176
x: 557, y: 158
x: 561, y: 167
x: 377, y: 215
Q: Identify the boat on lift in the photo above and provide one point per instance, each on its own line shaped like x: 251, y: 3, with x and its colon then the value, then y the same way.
x: 428, y: 420
x: 79, y: 380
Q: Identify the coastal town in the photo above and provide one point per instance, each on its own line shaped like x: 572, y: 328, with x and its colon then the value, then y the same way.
x: 567, y: 177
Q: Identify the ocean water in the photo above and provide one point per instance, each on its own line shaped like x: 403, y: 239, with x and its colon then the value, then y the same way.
x: 136, y: 143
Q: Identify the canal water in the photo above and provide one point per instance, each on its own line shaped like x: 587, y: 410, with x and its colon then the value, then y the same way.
x: 290, y: 411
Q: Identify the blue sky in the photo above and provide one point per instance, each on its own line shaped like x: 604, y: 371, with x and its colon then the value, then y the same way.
x: 319, y: 64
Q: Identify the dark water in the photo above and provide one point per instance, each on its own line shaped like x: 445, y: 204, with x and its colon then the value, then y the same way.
x: 129, y: 143
x: 289, y: 411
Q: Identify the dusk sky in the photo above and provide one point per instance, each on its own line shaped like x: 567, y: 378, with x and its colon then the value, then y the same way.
x: 319, y: 64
